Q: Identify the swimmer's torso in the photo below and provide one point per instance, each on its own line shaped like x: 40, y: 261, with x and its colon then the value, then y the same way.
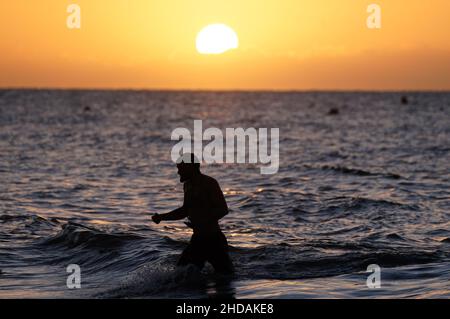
x: 200, y: 205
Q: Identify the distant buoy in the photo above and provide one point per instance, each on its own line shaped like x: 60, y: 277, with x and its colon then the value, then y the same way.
x: 333, y: 111
x: 404, y: 99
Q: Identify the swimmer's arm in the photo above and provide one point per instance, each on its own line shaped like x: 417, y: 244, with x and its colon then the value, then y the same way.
x: 176, y: 214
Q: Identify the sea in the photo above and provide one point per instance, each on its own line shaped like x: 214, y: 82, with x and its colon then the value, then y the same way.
x: 359, y: 207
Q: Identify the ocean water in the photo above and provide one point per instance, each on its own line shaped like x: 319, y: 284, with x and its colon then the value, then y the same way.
x: 82, y: 172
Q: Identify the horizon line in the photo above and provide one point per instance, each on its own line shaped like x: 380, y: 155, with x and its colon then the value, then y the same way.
x: 163, y: 89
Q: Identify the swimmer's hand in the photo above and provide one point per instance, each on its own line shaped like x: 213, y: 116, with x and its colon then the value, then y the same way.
x: 156, y: 218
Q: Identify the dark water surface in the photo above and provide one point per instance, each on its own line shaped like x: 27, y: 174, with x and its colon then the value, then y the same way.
x: 81, y: 171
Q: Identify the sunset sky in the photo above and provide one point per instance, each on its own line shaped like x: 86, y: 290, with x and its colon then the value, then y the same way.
x: 283, y: 45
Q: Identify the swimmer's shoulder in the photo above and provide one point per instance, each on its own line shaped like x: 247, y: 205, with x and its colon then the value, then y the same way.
x: 209, y: 181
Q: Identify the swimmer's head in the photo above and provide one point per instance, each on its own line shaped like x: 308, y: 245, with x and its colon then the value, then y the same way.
x: 188, y: 165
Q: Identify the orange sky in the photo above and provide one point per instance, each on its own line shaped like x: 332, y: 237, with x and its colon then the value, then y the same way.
x: 283, y: 45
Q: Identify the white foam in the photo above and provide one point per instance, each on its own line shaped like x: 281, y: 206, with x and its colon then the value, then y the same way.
x: 157, y: 279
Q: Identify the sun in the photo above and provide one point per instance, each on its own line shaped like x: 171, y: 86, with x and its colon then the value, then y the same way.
x: 216, y: 39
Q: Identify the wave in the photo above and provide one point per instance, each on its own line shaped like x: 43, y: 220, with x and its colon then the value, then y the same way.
x: 348, y: 206
x: 22, y: 218
x: 74, y: 235
x: 365, y: 203
x: 136, y: 265
x: 279, y: 262
x: 354, y: 171
x: 18, y: 227
x: 155, y: 280
x: 298, y: 262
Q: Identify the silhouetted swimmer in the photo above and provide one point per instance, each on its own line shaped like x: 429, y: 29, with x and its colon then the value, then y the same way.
x: 404, y: 99
x: 333, y: 111
x: 203, y: 205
